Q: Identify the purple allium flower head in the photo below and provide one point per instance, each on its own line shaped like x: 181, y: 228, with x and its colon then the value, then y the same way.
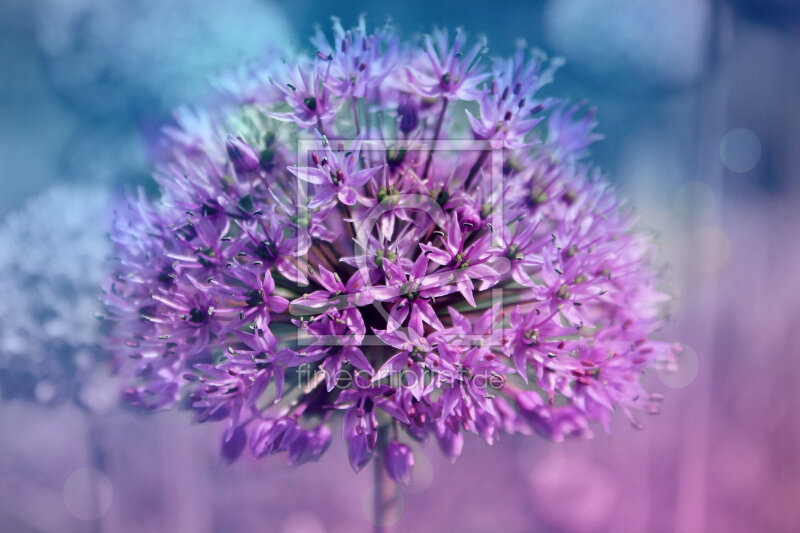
x: 316, y: 257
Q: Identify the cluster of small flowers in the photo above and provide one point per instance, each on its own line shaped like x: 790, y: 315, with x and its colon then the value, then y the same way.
x: 53, y: 255
x: 420, y: 288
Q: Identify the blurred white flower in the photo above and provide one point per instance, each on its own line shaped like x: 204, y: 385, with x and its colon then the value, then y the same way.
x: 52, y: 256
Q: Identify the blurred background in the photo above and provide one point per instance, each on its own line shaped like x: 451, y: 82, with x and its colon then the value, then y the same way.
x: 699, y: 102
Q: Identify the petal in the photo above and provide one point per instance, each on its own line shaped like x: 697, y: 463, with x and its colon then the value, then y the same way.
x: 309, y: 174
x: 323, y: 197
x: 398, y: 315
x: 515, y: 317
x: 394, y: 364
x: 480, y: 131
x: 465, y: 287
x: 383, y: 293
x: 437, y: 255
x: 450, y: 399
x: 328, y: 280
x: 460, y: 321
x: 518, y: 274
x: 332, y: 366
x: 357, y: 359
x: 347, y: 195
x: 277, y: 304
x: 454, y: 236
x: 428, y: 314
x: 361, y: 177
x: 520, y: 358
x: 420, y: 267
x: 258, y: 388
x: 393, y: 410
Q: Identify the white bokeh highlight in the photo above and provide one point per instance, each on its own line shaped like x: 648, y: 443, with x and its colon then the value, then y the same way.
x: 740, y: 150
x: 392, y: 514
x: 695, y: 201
x: 303, y: 522
x: 88, y: 494
x: 422, y: 474
x: 684, y: 372
x: 711, y: 249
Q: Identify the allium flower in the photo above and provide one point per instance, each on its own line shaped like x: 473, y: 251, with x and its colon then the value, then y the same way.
x: 451, y: 71
x: 420, y: 293
x: 53, y: 256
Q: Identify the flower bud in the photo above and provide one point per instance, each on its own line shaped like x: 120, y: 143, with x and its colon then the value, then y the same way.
x: 450, y: 442
x: 532, y: 407
x: 360, y: 445
x: 308, y: 446
x: 242, y: 155
x: 233, y: 443
x: 408, y: 113
x: 399, y: 461
x: 274, y: 436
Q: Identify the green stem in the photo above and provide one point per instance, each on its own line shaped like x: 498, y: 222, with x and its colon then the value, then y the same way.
x: 475, y: 169
x: 435, y: 137
x: 385, y: 496
x: 355, y: 114
x: 97, y: 460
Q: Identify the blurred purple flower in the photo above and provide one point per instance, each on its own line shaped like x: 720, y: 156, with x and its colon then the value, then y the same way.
x: 408, y: 113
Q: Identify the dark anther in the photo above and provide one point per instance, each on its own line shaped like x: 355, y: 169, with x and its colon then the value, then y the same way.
x: 197, y: 316
x: 255, y: 298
